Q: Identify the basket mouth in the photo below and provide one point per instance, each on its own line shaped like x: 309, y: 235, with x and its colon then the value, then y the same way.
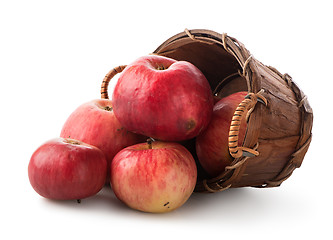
x: 205, y: 50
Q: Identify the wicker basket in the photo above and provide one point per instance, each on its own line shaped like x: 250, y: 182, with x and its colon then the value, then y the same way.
x: 280, y: 118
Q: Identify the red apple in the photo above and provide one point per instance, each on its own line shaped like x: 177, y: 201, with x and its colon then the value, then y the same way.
x: 94, y: 123
x: 212, y: 145
x: 153, y: 177
x: 163, y: 98
x: 65, y: 169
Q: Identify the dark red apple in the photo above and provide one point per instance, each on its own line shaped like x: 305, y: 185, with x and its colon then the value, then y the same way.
x: 94, y: 123
x: 212, y: 144
x: 65, y: 169
x: 153, y: 177
x: 163, y: 98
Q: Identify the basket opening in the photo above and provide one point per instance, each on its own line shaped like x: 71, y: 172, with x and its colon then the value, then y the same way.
x: 220, y: 67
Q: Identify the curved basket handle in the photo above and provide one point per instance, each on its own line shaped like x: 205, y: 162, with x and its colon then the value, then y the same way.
x: 107, y: 79
x: 248, y: 103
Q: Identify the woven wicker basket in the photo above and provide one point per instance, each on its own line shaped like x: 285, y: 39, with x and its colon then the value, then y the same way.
x: 280, y: 118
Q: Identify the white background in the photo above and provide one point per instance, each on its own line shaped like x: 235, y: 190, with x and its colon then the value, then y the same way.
x: 53, y: 57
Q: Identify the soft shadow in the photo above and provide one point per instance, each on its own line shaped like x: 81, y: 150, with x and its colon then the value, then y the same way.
x: 204, y: 206
x: 247, y: 206
x: 104, y: 201
x: 233, y: 206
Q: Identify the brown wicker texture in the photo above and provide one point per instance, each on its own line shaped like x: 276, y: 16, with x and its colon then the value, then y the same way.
x: 278, y: 131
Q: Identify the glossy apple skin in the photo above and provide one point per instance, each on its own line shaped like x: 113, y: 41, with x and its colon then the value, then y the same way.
x: 155, y: 180
x: 212, y: 145
x: 65, y: 169
x: 173, y: 104
x: 94, y: 123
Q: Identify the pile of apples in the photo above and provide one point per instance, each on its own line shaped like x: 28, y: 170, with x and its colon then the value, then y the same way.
x: 135, y: 142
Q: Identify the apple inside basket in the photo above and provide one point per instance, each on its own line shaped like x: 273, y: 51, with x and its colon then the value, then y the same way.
x: 278, y: 132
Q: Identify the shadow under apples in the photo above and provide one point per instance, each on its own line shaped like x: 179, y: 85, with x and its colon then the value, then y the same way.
x: 233, y: 206
x: 195, y: 206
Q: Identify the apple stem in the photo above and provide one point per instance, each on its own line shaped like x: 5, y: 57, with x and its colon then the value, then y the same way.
x: 150, y: 141
x: 160, y: 67
x: 107, y: 108
x: 72, y: 141
x: 78, y: 200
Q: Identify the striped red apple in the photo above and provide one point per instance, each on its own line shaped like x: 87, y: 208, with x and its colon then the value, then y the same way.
x: 154, y: 176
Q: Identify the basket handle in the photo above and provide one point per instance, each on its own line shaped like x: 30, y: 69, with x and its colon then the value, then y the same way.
x: 248, y: 103
x: 107, y: 79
